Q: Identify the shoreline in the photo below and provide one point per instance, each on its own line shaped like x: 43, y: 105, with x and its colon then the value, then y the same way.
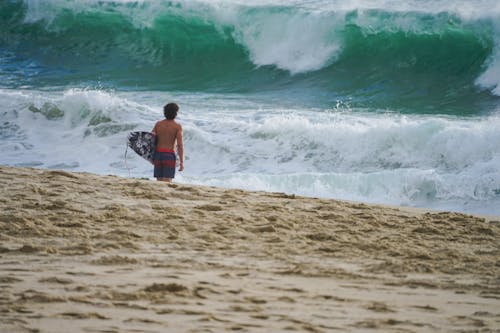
x: 105, y: 253
x: 418, y: 210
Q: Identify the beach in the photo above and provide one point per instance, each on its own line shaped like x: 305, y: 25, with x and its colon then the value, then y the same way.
x: 342, y: 166
x: 86, y: 253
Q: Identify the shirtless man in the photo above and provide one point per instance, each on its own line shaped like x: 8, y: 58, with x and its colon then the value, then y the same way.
x: 168, y: 132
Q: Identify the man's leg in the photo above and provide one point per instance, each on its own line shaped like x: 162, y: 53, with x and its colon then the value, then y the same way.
x: 164, y: 179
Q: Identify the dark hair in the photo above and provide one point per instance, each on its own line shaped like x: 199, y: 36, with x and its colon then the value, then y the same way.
x: 170, y: 111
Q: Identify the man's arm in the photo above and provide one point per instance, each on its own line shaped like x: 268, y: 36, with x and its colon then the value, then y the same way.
x: 180, y: 148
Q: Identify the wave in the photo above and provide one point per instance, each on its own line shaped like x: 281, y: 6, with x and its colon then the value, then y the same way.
x: 434, y: 61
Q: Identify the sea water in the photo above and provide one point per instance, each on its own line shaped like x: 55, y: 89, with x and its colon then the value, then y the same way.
x: 378, y: 101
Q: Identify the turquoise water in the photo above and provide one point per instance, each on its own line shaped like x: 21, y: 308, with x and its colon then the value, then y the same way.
x: 378, y: 101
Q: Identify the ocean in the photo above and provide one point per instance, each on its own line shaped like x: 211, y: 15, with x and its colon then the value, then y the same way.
x: 388, y: 102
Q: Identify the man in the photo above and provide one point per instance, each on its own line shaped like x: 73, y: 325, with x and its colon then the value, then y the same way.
x: 168, y: 132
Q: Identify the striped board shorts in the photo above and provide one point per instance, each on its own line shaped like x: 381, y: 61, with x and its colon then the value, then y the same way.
x: 164, y: 162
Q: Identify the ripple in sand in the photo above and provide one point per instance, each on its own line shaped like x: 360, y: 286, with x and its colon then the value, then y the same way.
x: 55, y: 280
x: 114, y: 260
x: 161, y: 287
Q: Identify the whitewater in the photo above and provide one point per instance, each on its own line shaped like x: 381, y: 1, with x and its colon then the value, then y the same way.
x: 375, y: 101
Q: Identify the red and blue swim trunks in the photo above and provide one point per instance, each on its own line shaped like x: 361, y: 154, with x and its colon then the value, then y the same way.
x: 164, y: 162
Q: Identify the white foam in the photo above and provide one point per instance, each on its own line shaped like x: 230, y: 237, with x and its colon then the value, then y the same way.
x: 490, y: 79
x: 386, y: 158
x: 234, y: 141
x: 88, y: 136
x: 298, y: 42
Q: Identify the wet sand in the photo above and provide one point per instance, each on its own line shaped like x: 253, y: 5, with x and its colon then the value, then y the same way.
x: 87, y: 253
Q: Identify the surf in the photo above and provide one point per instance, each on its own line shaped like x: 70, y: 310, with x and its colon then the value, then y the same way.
x: 240, y: 142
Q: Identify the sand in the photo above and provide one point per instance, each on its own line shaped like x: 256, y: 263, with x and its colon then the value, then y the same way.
x: 87, y: 253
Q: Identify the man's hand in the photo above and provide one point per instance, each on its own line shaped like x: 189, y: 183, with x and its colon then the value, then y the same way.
x: 181, y: 166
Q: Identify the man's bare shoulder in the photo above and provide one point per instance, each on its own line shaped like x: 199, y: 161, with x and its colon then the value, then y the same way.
x: 162, y: 123
x: 179, y: 125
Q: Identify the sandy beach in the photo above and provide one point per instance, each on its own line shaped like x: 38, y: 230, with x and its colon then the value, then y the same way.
x: 87, y: 253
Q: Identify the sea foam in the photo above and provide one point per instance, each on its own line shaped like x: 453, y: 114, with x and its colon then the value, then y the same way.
x: 242, y: 142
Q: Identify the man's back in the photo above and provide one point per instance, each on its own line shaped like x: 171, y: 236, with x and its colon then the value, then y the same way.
x: 167, y: 132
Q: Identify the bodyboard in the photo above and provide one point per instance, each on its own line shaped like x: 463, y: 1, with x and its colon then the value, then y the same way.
x: 143, y: 143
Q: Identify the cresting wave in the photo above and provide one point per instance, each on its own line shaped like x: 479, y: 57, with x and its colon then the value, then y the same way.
x: 436, y: 62
x: 418, y: 160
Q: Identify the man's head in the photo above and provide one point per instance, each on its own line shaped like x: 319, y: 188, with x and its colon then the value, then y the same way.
x: 170, y: 111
